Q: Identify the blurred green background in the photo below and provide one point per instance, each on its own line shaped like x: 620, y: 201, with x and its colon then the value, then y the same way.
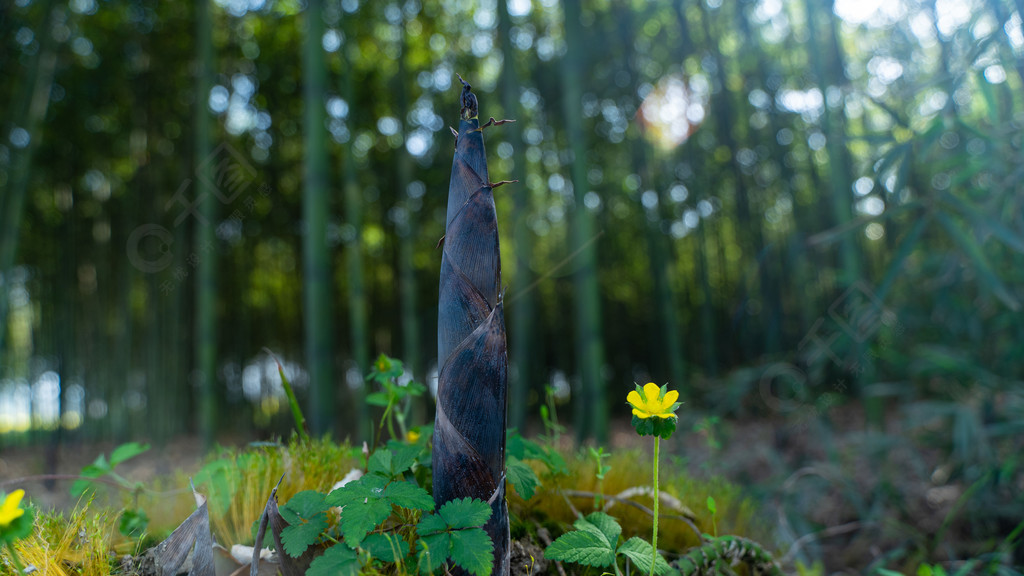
x: 805, y: 214
x: 810, y: 190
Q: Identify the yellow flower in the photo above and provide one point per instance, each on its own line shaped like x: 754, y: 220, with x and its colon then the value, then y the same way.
x: 412, y: 436
x: 9, y: 511
x: 653, y: 403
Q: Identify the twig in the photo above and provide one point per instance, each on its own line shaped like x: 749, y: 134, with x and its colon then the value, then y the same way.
x: 493, y: 122
x: 542, y: 533
x: 824, y: 533
x: 565, y: 496
x: 97, y: 479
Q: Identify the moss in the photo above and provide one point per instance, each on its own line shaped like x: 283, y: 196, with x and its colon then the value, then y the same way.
x: 631, y: 469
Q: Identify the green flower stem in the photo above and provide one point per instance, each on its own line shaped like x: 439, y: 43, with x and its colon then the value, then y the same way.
x: 654, y: 538
x: 14, y: 558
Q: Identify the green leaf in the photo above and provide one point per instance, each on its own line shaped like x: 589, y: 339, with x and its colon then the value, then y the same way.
x: 133, y: 523
x: 473, y: 550
x: 98, y: 468
x: 218, y: 478
x: 301, y: 535
x: 305, y: 504
x: 377, y: 399
x: 403, y: 456
x: 521, y: 476
x: 337, y: 560
x: 369, y: 486
x: 711, y: 506
x: 307, y: 521
x: 126, y: 452
x: 268, y: 537
x: 454, y: 532
x: 465, y: 513
x: 408, y: 495
x: 385, y: 547
x: 583, y: 547
x: 431, y: 524
x: 415, y: 389
x: 973, y: 250
x: 358, y: 520
x: 602, y: 525
x: 640, y: 552
x: 365, y: 506
x: 380, y: 462
x: 434, y: 551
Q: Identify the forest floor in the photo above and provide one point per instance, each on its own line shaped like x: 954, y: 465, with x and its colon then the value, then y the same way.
x: 800, y: 478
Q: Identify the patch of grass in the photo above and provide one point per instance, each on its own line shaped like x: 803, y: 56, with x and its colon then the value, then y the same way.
x: 237, y: 482
x: 79, y: 543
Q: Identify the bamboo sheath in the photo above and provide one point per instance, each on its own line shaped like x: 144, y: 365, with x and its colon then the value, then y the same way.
x: 469, y: 427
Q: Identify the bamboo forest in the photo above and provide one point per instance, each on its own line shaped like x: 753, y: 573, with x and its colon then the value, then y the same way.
x: 512, y: 287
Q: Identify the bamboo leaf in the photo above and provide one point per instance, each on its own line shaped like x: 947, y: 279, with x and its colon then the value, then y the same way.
x: 985, y: 222
x: 977, y: 256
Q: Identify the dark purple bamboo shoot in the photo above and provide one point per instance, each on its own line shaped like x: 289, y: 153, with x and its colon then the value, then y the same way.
x: 469, y: 429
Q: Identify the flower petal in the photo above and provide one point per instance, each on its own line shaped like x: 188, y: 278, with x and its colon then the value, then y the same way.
x: 634, y: 398
x: 9, y: 511
x: 652, y: 392
x: 670, y: 398
x: 641, y: 413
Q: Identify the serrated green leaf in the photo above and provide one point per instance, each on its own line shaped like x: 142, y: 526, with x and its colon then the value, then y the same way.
x: 369, y: 486
x: 359, y: 519
x: 305, y: 504
x: 126, y: 452
x: 473, y: 550
x: 465, y: 513
x: 403, y: 456
x: 431, y: 524
x: 307, y: 521
x: 603, y: 525
x: 380, y: 462
x: 521, y: 476
x: 583, y: 547
x: 640, y: 552
x: 337, y: 560
x: 408, y: 495
x: 385, y: 547
x: 434, y: 551
x: 302, y: 534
